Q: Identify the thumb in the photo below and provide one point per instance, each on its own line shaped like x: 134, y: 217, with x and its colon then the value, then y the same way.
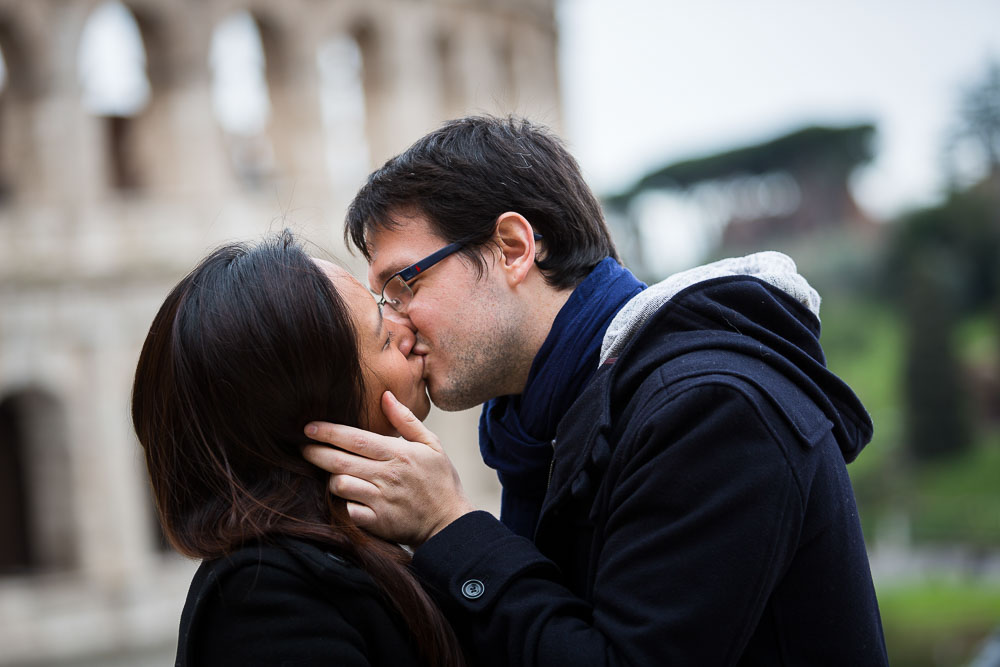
x: 406, y: 423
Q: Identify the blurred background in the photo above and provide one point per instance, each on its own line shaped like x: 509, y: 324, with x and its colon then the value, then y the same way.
x: 861, y: 138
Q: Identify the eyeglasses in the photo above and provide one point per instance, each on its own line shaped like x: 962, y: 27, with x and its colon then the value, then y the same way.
x: 396, y: 292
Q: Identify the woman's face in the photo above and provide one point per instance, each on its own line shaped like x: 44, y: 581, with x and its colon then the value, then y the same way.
x: 386, y: 362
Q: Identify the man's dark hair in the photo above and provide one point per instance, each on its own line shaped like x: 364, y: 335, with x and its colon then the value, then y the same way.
x: 465, y: 174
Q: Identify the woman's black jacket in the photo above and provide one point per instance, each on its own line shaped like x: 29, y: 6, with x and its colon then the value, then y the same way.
x: 290, y: 604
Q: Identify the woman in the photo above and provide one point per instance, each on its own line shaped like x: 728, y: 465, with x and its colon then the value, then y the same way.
x: 249, y: 347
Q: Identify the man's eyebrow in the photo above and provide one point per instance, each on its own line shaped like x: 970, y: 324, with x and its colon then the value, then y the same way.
x: 389, y: 272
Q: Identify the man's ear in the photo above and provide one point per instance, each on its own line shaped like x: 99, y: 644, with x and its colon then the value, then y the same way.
x: 516, y: 241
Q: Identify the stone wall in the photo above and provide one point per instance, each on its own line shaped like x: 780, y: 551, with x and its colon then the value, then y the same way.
x: 100, y: 216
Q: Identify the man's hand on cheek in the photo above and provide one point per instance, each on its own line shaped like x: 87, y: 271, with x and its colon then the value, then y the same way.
x: 402, y: 489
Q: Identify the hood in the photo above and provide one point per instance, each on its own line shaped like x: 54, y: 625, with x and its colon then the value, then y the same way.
x: 753, y: 318
x: 774, y: 268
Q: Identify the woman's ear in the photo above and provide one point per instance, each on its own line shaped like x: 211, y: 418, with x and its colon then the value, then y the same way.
x: 516, y: 240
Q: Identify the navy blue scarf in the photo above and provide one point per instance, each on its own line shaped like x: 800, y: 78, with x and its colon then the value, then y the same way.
x: 515, y: 432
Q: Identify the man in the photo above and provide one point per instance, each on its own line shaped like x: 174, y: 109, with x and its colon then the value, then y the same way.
x: 673, y: 458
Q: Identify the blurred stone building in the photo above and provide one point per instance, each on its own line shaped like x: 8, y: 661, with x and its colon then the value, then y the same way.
x: 126, y: 154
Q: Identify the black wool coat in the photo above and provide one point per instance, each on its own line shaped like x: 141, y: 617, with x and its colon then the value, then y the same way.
x: 290, y: 604
x: 698, y: 512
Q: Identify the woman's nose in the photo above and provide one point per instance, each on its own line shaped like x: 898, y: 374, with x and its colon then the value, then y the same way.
x: 402, y: 335
x: 390, y: 314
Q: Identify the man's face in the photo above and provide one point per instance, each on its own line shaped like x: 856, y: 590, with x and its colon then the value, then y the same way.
x: 465, y: 328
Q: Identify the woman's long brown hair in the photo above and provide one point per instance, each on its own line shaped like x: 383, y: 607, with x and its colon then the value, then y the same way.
x: 249, y: 347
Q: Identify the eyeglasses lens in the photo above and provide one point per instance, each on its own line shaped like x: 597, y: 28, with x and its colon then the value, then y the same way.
x: 397, y: 294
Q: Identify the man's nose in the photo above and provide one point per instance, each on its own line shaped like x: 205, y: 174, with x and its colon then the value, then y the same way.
x: 404, y: 336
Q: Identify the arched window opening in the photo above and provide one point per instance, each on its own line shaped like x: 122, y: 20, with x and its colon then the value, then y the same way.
x: 342, y: 98
x: 36, y: 531
x: 16, y: 554
x: 112, y: 70
x: 240, y: 96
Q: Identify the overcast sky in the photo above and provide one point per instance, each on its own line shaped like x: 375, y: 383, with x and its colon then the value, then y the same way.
x: 648, y: 82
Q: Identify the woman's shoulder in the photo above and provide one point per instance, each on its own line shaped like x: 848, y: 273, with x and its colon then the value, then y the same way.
x: 283, y: 599
x: 284, y: 560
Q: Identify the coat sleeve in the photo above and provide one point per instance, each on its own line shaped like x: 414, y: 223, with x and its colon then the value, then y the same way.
x: 263, y: 614
x: 700, y: 524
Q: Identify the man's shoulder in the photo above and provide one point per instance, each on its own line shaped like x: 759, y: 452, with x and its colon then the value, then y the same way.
x: 629, y: 394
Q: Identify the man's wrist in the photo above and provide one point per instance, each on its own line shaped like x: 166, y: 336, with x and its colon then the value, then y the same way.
x: 449, y: 518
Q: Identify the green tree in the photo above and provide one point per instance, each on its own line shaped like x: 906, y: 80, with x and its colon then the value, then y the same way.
x: 979, y: 117
x: 936, y: 420
x: 944, y: 265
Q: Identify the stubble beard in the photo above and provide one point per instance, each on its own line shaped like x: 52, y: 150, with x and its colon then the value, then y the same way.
x: 481, y: 370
